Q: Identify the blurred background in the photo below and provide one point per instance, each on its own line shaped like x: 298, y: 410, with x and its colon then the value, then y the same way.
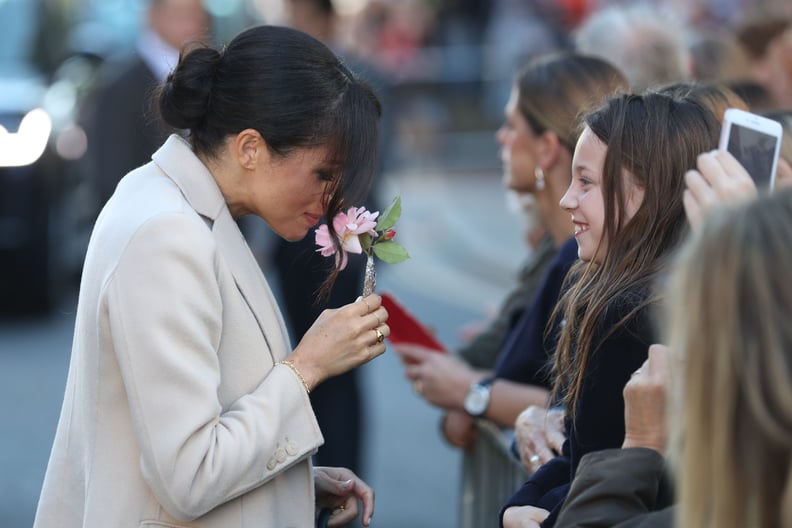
x: 444, y: 69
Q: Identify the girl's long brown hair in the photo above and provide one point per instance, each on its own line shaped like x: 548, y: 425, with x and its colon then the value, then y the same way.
x: 652, y: 139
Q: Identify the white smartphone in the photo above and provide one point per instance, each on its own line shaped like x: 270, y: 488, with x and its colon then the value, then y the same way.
x: 755, y: 141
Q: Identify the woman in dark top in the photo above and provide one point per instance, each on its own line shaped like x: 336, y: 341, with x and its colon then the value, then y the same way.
x: 626, y: 204
x: 542, y: 124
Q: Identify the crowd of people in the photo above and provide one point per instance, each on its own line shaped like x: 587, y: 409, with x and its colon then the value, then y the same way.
x: 643, y: 357
x: 645, y: 170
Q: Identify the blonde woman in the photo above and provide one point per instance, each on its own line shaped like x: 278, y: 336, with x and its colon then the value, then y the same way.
x: 731, y: 300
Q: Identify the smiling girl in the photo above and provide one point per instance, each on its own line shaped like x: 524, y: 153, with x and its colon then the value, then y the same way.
x: 625, y: 201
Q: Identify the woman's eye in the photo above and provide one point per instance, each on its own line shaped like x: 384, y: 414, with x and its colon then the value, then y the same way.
x: 326, y: 176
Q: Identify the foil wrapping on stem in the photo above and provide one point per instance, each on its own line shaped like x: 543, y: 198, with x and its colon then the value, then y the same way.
x: 370, y: 279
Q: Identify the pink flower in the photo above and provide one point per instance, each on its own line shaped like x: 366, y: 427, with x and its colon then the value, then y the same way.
x: 348, y: 226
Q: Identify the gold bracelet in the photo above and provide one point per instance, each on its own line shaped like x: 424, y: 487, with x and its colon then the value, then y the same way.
x: 289, y: 363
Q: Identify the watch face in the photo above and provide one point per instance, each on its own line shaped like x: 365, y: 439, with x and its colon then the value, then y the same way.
x: 476, y: 400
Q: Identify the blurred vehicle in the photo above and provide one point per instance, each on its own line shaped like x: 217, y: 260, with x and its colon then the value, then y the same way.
x: 41, y: 247
x: 51, y: 52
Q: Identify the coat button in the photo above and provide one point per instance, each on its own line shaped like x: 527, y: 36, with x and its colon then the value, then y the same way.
x: 280, y: 455
x: 272, y: 463
x: 291, y: 448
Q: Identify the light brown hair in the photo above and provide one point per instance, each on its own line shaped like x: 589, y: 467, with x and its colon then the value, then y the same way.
x: 729, y: 306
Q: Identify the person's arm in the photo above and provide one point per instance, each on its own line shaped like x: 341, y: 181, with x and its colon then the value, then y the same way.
x: 482, y: 351
x: 444, y: 381
x: 619, y: 487
x: 165, y: 317
x: 551, y: 479
x: 508, y: 399
x: 613, y: 487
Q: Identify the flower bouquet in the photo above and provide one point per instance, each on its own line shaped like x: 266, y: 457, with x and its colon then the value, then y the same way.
x: 362, y: 231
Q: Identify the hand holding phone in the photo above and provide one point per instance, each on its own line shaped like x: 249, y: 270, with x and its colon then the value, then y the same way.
x: 755, y: 142
x: 719, y: 179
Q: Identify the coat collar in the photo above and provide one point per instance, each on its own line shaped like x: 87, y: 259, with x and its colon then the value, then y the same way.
x: 180, y: 164
x: 177, y: 160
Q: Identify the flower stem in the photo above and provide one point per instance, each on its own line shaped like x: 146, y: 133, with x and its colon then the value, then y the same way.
x: 370, y: 280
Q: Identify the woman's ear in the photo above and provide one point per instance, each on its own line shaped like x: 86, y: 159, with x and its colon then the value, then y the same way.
x: 250, y: 149
x: 548, y: 149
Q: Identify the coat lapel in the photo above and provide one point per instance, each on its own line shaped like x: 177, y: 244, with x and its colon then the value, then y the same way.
x: 200, y: 189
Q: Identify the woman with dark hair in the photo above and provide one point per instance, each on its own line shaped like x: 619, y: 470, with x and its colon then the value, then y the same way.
x: 626, y: 204
x: 185, y: 405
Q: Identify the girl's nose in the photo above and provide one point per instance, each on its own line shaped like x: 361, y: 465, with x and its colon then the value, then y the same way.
x: 568, y: 203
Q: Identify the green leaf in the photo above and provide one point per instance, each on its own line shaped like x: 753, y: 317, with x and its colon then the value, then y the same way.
x: 365, y: 241
x: 390, y: 252
x: 390, y: 215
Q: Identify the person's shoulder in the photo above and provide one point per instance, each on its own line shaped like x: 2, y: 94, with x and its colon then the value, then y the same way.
x: 633, y: 300
x: 564, y: 257
x: 121, y: 70
x: 629, y: 315
x: 568, y: 252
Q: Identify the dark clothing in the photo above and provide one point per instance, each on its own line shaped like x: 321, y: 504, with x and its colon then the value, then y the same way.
x: 336, y: 401
x: 527, y: 350
x: 618, y: 488
x: 483, y: 350
x: 599, y: 420
x: 122, y: 125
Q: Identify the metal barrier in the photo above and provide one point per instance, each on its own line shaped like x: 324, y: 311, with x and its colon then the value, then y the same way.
x: 490, y: 475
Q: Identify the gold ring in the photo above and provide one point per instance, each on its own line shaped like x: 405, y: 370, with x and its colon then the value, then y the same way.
x: 380, y: 335
x: 418, y: 386
x: 534, y: 459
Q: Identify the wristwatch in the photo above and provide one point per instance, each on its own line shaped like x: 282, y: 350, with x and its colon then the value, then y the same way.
x: 478, y: 397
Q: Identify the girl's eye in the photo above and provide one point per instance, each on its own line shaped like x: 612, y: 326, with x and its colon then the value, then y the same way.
x: 326, y: 176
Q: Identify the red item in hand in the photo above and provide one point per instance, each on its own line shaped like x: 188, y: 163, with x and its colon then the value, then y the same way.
x: 406, y: 328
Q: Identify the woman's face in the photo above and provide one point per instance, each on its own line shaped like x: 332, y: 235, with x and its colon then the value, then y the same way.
x: 517, y: 142
x: 288, y: 193
x: 584, y: 198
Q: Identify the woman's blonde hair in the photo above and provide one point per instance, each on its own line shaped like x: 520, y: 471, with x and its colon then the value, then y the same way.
x: 729, y: 320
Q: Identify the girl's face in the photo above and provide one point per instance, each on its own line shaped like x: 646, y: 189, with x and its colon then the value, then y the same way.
x: 517, y: 142
x: 584, y: 198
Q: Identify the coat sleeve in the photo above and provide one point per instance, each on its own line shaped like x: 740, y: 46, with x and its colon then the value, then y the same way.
x: 164, y: 308
x: 548, y: 481
x: 616, y: 488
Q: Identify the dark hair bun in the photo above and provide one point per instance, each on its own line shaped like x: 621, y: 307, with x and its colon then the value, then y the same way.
x: 185, y: 96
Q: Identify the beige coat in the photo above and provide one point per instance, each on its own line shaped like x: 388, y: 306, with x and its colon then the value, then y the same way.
x: 174, y: 414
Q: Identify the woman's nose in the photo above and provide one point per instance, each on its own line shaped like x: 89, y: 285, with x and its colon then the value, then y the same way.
x: 500, y: 135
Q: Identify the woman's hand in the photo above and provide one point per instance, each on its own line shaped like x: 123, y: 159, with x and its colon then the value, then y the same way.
x: 459, y: 429
x: 540, y: 435
x: 524, y: 517
x: 342, y: 339
x: 644, y: 402
x: 442, y: 379
x: 339, y: 489
x: 720, y: 179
